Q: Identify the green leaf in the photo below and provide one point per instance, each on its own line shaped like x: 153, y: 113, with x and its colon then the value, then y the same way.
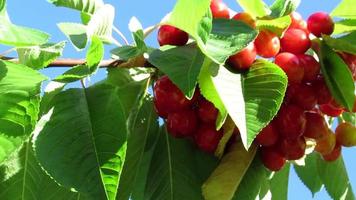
x: 38, y: 57
x: 89, y: 129
x: 345, y: 9
x: 95, y: 54
x: 227, y: 38
x: 87, y: 6
x: 76, y: 33
x: 264, y: 87
x: 181, y: 64
x: 137, y: 33
x: 277, y: 26
x: 283, y: 7
x: 337, y: 76
x: 187, y: 15
x: 23, y: 178
x: 101, y: 23
x: 279, y: 183
x: 178, y: 169
x: 223, y: 182
x: 19, y: 103
x: 228, y: 128
x: 126, y: 52
x: 143, y: 129
x: 308, y: 174
x: 75, y: 73
x: 256, y: 8
x: 335, y: 178
x: 345, y: 26
x: 345, y: 43
x: 349, y: 117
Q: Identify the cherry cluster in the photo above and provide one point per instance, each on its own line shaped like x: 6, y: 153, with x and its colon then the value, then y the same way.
x: 307, y: 100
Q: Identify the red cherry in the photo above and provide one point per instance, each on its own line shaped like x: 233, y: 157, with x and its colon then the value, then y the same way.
x: 334, y: 155
x: 298, y: 22
x: 293, y: 149
x: 330, y: 110
x: 206, y: 111
x: 290, y: 65
x: 246, y: 18
x: 168, y: 98
x: 170, y: 35
x: 245, y: 58
x: 322, y: 91
x: 291, y: 121
x: 267, y: 44
x: 315, y: 126
x: 268, y: 136
x: 219, y: 9
x: 272, y: 159
x: 182, y: 123
x: 302, y: 95
x: 311, y: 67
x: 295, y: 41
x: 207, y: 138
x: 320, y: 23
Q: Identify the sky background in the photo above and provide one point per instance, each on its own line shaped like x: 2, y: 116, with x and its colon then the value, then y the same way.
x: 44, y: 16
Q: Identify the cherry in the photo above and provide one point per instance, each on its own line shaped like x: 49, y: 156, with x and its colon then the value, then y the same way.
x: 291, y: 66
x: 330, y: 110
x: 293, y: 149
x: 267, y: 44
x: 298, y: 22
x: 170, y: 35
x: 326, y: 144
x: 268, y: 136
x: 219, y: 9
x: 320, y: 23
x: 295, y: 41
x: 272, y: 159
x: 316, y: 126
x: 322, y: 91
x: 302, y: 95
x: 168, y: 98
x: 182, y: 123
x: 311, y: 67
x: 245, y: 58
x: 207, y: 137
x: 346, y: 134
x: 291, y: 122
x: 334, y: 155
x: 206, y: 111
x: 246, y: 18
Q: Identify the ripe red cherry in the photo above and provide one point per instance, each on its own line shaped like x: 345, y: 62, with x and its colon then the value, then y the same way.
x: 302, y: 95
x: 219, y: 9
x: 290, y: 65
x: 206, y: 111
x: 293, y: 149
x: 182, y: 123
x: 315, y: 126
x: 291, y: 122
x: 320, y: 23
x: 298, y: 22
x: 330, y: 110
x: 170, y: 35
x: 322, y: 91
x: 272, y: 159
x: 346, y: 134
x: 246, y: 18
x: 295, y: 41
x: 245, y: 58
x: 168, y: 98
x: 334, y: 155
x: 311, y: 67
x: 268, y: 136
x: 207, y: 137
x: 267, y: 44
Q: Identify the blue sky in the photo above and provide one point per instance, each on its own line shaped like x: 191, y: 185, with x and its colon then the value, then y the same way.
x: 44, y: 16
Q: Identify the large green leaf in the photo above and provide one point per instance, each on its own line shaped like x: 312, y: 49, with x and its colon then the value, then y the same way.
x: 257, y: 8
x: 277, y: 26
x: 22, y: 178
x: 283, y: 7
x: 19, y: 103
x: 345, y: 9
x: 101, y: 23
x: 38, y: 57
x: 76, y: 33
x: 178, y: 169
x: 226, y: 178
x: 337, y: 76
x: 89, y: 129
x: 279, y: 183
x: 345, y: 26
x: 335, y: 178
x: 144, y: 132
x: 345, y: 43
x: 308, y: 174
x: 181, y: 64
x: 87, y: 6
